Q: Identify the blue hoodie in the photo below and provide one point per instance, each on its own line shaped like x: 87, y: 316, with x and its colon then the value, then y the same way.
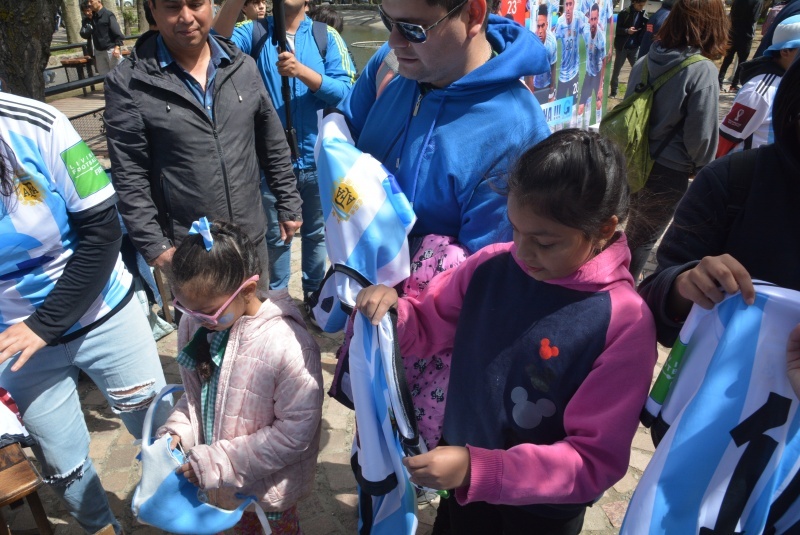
x: 461, y: 142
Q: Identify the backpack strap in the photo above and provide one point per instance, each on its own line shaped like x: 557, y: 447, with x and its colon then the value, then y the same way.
x: 386, y: 71
x: 660, y: 81
x: 260, y: 36
x: 741, y: 168
x: 320, y: 31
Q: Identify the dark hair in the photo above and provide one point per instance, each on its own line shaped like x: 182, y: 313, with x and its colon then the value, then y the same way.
x: 786, y: 110
x: 148, y: 15
x: 542, y: 12
x: 6, y: 174
x: 575, y: 177
x: 231, y: 260
x: 595, y: 7
x: 329, y: 16
x: 699, y: 24
x: 451, y: 4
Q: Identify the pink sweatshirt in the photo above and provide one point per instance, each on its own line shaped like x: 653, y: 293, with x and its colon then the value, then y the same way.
x: 548, y: 378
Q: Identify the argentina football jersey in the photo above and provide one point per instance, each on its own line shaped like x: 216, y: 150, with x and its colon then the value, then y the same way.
x: 569, y: 33
x: 595, y: 50
x: 36, y: 238
x: 543, y: 80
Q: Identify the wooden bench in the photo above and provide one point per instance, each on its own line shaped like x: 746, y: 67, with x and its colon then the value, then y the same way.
x: 18, y: 480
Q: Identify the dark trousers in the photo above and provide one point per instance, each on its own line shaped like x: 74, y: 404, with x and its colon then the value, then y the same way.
x: 620, y: 55
x: 740, y: 46
x: 481, y: 518
x: 652, y: 207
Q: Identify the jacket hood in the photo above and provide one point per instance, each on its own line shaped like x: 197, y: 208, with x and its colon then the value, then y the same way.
x: 603, y: 272
x: 786, y: 138
x: 519, y: 53
x: 760, y: 65
x: 660, y: 59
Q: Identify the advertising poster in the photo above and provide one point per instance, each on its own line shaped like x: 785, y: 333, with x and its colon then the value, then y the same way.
x: 578, y: 36
x: 515, y: 9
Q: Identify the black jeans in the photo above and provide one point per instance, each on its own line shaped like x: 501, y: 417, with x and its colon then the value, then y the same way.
x: 620, y: 55
x: 652, y: 207
x: 481, y: 518
x: 740, y: 46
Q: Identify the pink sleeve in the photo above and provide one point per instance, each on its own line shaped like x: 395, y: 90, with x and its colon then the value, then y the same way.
x: 600, y: 421
x: 427, y: 324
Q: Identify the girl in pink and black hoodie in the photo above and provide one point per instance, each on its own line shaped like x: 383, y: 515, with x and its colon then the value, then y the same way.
x: 553, y: 350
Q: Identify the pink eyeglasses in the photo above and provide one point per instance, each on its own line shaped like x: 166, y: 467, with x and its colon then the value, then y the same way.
x: 213, y: 321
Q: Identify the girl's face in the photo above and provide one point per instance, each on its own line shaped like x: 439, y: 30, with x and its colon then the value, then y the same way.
x: 195, y: 299
x: 548, y: 249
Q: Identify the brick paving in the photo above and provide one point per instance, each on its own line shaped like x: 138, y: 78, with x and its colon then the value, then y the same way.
x: 332, y: 508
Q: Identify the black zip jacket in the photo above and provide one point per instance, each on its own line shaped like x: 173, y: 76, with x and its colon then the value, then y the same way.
x: 624, y: 21
x: 106, y: 33
x: 764, y: 235
x: 172, y: 164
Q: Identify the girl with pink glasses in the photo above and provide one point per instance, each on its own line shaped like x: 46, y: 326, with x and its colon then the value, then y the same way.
x: 250, y: 417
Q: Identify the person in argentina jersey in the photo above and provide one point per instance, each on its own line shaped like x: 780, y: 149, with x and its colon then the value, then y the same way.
x: 65, y: 301
x: 595, y: 40
x: 568, y: 30
x: 544, y: 85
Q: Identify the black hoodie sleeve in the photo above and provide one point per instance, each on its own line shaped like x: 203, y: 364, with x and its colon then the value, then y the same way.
x: 85, y: 275
x: 699, y: 229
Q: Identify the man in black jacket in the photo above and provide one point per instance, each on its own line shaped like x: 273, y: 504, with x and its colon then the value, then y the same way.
x: 627, y: 38
x: 106, y: 36
x: 189, y: 123
x: 744, y: 14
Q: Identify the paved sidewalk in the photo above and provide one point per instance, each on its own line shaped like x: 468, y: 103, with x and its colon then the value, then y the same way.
x: 332, y: 508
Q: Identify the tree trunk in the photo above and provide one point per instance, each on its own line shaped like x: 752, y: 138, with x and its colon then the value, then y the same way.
x: 143, y: 26
x: 111, y: 5
x: 72, y: 20
x: 25, y: 45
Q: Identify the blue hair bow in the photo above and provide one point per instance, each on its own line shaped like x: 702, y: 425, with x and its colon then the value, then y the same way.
x: 203, y: 227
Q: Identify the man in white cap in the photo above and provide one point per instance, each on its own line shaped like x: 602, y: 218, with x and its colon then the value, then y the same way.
x: 749, y: 122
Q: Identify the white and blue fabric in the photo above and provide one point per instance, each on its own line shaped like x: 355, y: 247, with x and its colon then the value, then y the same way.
x: 367, y: 220
x: 56, y: 177
x: 203, y: 227
x: 729, y: 460
x: 167, y: 500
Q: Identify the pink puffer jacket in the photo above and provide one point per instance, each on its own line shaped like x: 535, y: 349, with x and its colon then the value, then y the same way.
x: 267, y: 413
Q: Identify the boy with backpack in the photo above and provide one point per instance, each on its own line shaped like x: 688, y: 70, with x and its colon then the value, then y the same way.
x: 320, y: 73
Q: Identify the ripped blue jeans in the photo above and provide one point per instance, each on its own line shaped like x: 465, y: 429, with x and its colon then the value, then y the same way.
x: 121, y: 358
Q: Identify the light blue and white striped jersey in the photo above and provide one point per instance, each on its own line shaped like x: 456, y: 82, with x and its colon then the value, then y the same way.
x: 569, y: 34
x: 606, y: 8
x: 56, y: 177
x: 729, y: 461
x: 541, y: 81
x: 367, y: 220
x: 595, y: 50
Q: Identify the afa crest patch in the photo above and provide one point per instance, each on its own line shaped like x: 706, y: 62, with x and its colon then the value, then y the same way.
x: 346, y: 201
x: 29, y: 193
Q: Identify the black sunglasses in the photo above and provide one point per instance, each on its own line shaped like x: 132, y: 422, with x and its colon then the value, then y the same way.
x: 414, y: 33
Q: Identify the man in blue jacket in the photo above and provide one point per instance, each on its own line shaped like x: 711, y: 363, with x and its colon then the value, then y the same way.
x: 315, y: 82
x: 452, y: 123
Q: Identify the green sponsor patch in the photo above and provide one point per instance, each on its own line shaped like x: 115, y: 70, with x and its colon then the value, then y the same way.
x: 85, y: 171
